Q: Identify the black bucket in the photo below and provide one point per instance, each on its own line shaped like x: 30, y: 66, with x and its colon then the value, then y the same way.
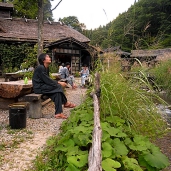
x: 17, y: 115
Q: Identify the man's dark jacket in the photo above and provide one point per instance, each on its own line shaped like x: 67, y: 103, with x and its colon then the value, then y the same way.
x: 42, y: 83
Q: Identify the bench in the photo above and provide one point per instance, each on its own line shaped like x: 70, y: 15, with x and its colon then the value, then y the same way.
x: 36, y: 102
x: 12, y: 76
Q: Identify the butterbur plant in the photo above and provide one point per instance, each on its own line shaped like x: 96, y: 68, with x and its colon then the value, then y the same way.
x: 124, y: 150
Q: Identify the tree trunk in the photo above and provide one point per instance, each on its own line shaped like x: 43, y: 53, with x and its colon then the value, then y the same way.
x: 40, y: 27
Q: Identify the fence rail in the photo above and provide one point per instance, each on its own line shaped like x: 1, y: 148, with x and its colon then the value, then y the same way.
x: 95, y: 158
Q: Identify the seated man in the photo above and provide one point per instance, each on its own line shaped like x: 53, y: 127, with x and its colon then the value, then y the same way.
x: 43, y: 84
x: 60, y: 68
x: 65, y: 75
x: 84, y: 75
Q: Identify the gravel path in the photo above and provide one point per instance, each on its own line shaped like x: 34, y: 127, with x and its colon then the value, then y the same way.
x: 19, y: 148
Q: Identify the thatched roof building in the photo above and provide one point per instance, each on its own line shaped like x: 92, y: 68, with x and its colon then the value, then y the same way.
x: 158, y: 54
x: 26, y: 30
x: 117, y: 50
x: 65, y: 43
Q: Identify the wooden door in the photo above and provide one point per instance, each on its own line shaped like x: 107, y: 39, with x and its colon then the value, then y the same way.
x: 75, y: 63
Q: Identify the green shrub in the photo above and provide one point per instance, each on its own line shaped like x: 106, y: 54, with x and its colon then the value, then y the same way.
x: 53, y: 68
x: 162, y: 74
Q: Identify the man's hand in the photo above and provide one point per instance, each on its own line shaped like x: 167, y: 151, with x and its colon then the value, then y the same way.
x: 63, y: 84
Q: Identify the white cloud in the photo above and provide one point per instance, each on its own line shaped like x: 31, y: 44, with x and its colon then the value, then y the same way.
x: 92, y: 13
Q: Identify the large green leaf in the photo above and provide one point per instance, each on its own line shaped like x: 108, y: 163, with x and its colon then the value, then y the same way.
x: 156, y: 158
x: 131, y: 164
x: 61, y: 148
x: 73, y: 150
x: 68, y: 143
x: 105, y: 125
x: 105, y: 135
x: 84, y: 139
x: 111, y: 130
x: 81, y: 128
x: 144, y: 163
x: 110, y: 165
x: 139, y: 139
x: 87, y: 115
x: 127, y: 141
x: 71, y: 167
x: 119, y: 147
x: 78, y: 160
x: 106, y: 150
x: 140, y: 143
x: 65, y: 145
x: 121, y: 134
x: 116, y: 132
x: 116, y: 120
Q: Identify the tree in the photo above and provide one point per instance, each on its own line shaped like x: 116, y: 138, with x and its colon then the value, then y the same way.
x: 40, y: 25
x: 145, y: 25
x: 29, y: 8
x: 33, y: 9
x: 73, y: 22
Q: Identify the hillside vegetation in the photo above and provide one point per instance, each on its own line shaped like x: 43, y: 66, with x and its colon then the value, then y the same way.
x: 145, y: 25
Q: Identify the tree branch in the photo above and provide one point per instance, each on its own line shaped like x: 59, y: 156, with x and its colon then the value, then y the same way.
x: 56, y: 6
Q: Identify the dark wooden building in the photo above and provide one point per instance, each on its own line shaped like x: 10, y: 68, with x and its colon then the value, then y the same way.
x: 71, y: 50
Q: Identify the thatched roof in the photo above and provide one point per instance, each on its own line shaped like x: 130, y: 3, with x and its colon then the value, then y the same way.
x: 123, y: 54
x: 150, y: 53
x: 21, y: 29
x: 6, y: 5
x: 112, y: 49
x: 69, y: 39
x: 98, y: 49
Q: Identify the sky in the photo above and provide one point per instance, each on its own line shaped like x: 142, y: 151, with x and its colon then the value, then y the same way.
x: 93, y: 13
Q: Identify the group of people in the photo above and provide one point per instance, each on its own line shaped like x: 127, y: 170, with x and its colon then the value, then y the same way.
x: 64, y: 71
x: 43, y: 84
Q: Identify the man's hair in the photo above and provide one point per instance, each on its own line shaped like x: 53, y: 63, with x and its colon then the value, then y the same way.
x: 67, y: 63
x: 85, y: 65
x: 41, y: 58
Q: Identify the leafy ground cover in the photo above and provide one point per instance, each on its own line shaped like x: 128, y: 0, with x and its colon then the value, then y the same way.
x: 129, y: 121
x: 122, y: 149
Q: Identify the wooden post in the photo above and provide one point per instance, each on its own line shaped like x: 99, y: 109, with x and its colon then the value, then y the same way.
x: 94, y: 159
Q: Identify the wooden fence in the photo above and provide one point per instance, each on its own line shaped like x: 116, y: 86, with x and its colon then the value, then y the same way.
x: 95, y: 158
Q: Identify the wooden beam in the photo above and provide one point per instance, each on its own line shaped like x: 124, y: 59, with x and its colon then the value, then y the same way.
x: 95, y: 158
